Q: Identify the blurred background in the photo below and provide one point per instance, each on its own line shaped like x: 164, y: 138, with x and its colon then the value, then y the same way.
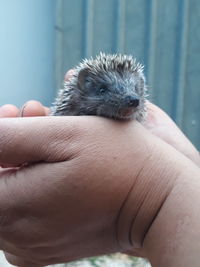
x: 41, y: 39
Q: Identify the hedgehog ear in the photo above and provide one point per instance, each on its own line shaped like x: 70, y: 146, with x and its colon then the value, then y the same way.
x: 82, y: 77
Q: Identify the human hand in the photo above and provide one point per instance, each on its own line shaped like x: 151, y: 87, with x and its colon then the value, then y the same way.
x: 82, y: 194
x: 71, y: 191
x: 35, y: 108
x: 161, y: 125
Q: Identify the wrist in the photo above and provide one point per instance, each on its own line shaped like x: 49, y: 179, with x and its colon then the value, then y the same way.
x: 155, y: 181
x: 173, y: 239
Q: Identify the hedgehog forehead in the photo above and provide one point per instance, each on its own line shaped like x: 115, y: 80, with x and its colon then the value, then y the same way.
x: 115, y: 65
x: 114, y: 71
x: 114, y: 82
x: 109, y: 62
x: 112, y: 78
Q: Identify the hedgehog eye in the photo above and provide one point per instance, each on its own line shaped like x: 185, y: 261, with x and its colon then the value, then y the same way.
x: 102, y: 90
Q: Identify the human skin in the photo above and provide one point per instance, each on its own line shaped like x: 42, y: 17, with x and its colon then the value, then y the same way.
x: 157, y: 122
x: 50, y: 209
x: 93, y: 140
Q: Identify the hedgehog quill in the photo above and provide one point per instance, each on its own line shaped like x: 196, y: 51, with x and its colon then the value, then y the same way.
x: 111, y: 86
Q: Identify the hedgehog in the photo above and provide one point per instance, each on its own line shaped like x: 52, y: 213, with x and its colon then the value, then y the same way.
x: 111, y: 86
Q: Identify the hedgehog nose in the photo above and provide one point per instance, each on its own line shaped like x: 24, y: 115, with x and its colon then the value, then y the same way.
x: 132, y: 101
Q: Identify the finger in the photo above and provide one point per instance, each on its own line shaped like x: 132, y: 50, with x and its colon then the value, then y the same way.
x: 33, y: 139
x: 33, y: 108
x: 47, y: 111
x: 69, y: 75
x: 7, y: 111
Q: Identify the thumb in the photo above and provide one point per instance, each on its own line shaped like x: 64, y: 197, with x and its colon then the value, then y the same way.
x: 35, y: 139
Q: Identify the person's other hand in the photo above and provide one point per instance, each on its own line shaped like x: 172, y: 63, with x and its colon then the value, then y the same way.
x: 30, y: 109
x: 161, y: 125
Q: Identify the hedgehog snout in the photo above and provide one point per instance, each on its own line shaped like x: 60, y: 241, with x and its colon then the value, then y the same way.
x: 131, y: 101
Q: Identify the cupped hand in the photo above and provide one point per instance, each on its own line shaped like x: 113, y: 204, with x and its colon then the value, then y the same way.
x: 92, y: 186
x: 64, y: 204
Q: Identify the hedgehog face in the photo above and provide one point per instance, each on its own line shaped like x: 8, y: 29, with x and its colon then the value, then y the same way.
x: 108, y: 85
x: 114, y: 94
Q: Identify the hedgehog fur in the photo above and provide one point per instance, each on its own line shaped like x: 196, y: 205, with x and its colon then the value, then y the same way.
x: 109, y: 85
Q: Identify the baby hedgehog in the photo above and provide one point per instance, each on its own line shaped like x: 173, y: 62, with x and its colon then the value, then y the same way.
x: 112, y: 86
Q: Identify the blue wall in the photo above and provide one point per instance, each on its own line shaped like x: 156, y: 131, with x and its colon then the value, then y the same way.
x: 27, y: 51
x: 164, y: 35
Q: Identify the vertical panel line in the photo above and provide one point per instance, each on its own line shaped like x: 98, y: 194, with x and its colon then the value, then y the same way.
x: 181, y: 62
x: 59, y: 28
x: 120, y: 26
x: 151, y: 43
x: 88, y: 20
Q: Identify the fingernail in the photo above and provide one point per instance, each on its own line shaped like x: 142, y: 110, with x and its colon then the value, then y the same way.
x: 69, y: 74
